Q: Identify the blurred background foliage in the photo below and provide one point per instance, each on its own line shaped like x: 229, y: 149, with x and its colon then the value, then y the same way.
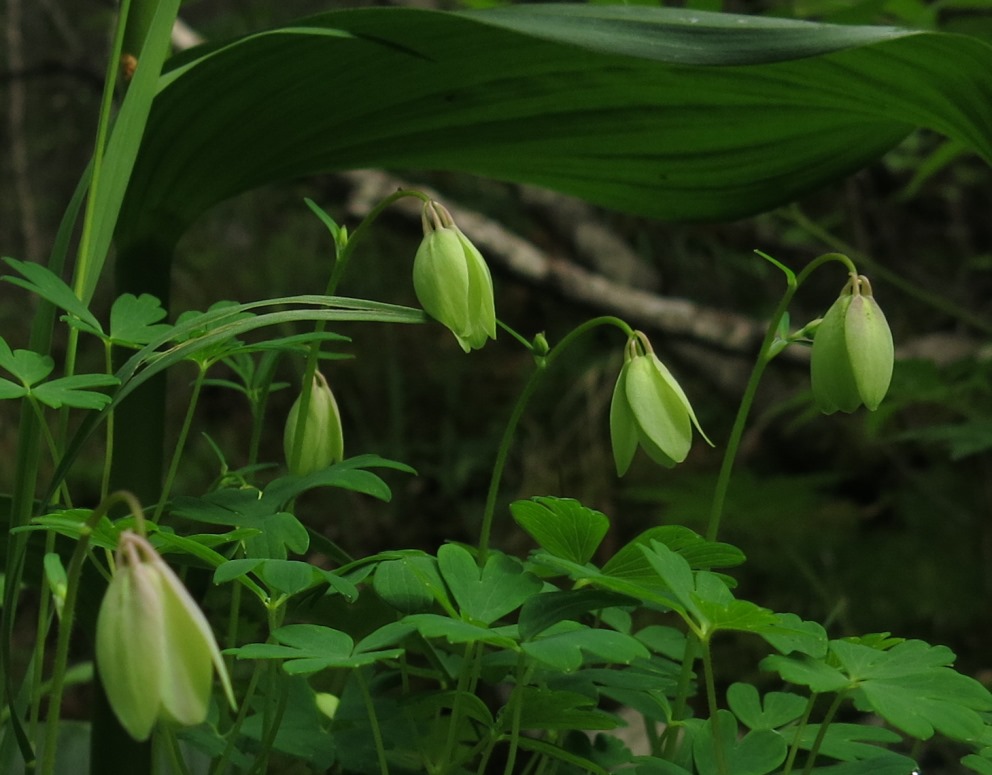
x: 866, y: 522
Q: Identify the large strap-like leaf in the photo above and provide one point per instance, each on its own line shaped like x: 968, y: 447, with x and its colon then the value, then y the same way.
x: 652, y: 110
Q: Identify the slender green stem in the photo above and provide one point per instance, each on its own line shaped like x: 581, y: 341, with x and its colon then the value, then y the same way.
x: 518, y: 708
x: 337, y: 274
x: 822, y: 733
x: 53, y: 448
x: 220, y: 766
x: 108, y: 454
x: 261, y: 390
x: 172, y: 750
x: 765, y: 354
x: 73, y: 579
x: 714, y: 706
x: 84, y: 257
x: 42, y: 628
x: 25, y: 480
x: 273, y: 720
x: 511, y: 426
x: 461, y: 689
x: 794, y: 748
x: 177, y: 454
x: 670, y: 737
x: 380, y: 749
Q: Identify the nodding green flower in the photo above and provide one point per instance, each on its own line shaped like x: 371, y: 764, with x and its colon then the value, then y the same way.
x: 649, y: 410
x: 852, y: 358
x: 452, y: 281
x: 323, y: 440
x: 155, y: 650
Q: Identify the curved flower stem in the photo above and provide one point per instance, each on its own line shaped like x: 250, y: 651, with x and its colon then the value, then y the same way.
x: 73, y: 578
x: 343, y: 256
x: 544, y: 362
x: 765, y: 355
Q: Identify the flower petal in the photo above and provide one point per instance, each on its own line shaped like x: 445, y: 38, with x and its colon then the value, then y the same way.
x: 129, y: 646
x: 660, y: 412
x: 623, y: 429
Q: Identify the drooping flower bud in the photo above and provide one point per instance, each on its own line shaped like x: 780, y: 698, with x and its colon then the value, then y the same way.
x: 649, y: 410
x: 155, y: 650
x: 323, y: 441
x: 852, y: 358
x: 452, y: 281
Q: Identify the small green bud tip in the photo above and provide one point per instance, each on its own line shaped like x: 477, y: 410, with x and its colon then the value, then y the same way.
x: 650, y: 410
x: 155, y: 650
x: 540, y: 347
x: 323, y: 440
x: 853, y: 355
x: 452, y: 281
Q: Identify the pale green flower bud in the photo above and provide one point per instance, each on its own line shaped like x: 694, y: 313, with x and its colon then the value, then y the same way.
x: 155, y: 650
x: 323, y: 440
x: 649, y: 410
x: 852, y: 358
x: 452, y: 281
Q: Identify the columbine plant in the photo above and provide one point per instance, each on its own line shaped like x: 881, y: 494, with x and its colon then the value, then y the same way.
x: 155, y: 650
x: 649, y: 410
x: 851, y: 363
x: 466, y: 659
x: 461, y: 660
x: 452, y: 280
x: 322, y: 443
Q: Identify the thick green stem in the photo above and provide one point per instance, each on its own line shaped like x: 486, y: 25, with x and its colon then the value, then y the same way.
x: 544, y: 363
